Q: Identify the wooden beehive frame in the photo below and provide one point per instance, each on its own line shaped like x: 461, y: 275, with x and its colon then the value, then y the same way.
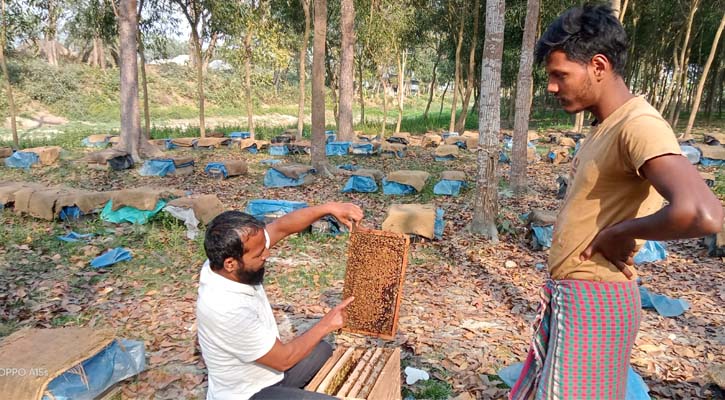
x: 349, y: 289
x: 359, y: 374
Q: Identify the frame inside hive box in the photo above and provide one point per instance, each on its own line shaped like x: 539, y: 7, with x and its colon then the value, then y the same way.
x: 376, y: 262
x: 360, y: 374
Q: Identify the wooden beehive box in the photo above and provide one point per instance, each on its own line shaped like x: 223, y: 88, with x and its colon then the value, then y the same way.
x: 360, y: 374
x: 376, y: 262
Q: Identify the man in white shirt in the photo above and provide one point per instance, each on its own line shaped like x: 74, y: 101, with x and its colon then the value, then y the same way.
x: 237, y: 330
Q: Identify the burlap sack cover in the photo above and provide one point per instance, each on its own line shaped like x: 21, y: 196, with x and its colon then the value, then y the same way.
x: 712, y: 152
x: 47, y: 154
x: 431, y: 140
x: 541, y: 217
x: 376, y: 174
x: 205, y: 207
x: 8, y: 190
x: 181, y: 160
x: 470, y: 134
x: 446, y: 150
x: 114, y: 139
x: 184, y: 142
x: 471, y: 143
x: 52, y: 352
x: 416, y: 179
x: 392, y: 147
x: 566, y: 142
x: 6, y: 152
x: 561, y: 155
x: 97, y: 138
x: 102, y: 156
x: 292, y: 171
x: 144, y: 198
x: 709, y: 137
x: 236, y: 167
x: 402, y: 135
x: 86, y: 201
x: 454, y: 139
x: 417, y: 219
x: 158, y: 142
x: 212, y: 141
x: 453, y: 176
x: 532, y: 135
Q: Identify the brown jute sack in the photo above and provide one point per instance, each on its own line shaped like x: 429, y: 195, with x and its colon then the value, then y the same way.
x: 236, y: 167
x: 42, y: 203
x: 293, y: 171
x: 205, y: 207
x: 371, y: 173
x: 51, y: 352
x: 114, y: 139
x: 102, y: 156
x: 86, y: 201
x: 416, y: 179
x: 181, y: 160
x: 454, y: 176
x: 212, y: 142
x: 97, y: 138
x: 392, y: 147
x: 431, y: 140
x: 143, y: 198
x: 184, y: 142
x: 446, y: 150
x: 566, y: 142
x: 417, y: 219
x: 6, y: 152
x: 716, y: 152
x: 711, y: 137
x: 541, y: 217
x: 472, y: 144
x: 8, y: 190
x: 561, y: 155
x: 454, y: 139
x: 47, y: 154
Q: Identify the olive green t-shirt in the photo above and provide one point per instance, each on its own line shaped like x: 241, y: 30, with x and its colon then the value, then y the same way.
x: 607, y: 188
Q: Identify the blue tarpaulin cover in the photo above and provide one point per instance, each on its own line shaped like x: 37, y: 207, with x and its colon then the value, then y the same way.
x: 87, y: 143
x: 396, y: 188
x: 120, y: 360
x: 665, y: 306
x: 542, y: 235
x: 160, y: 167
x: 74, y: 237
x: 270, y: 161
x: 129, y: 214
x: 362, y: 184
x: 240, y: 135
x: 274, y: 178
x: 651, y: 251
x: 70, y: 212
x: 363, y: 149
x: 111, y: 257
x: 22, y: 159
x: 278, y: 150
x: 439, y: 224
x: 636, y: 388
x: 446, y: 135
x: 709, y: 162
x: 445, y: 158
x: 261, y: 207
x: 503, y: 157
x: 331, y: 136
x: 214, y: 168
x: 337, y: 148
x: 348, y: 167
x: 447, y: 187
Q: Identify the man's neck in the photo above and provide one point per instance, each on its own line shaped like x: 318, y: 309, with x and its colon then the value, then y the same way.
x: 611, y: 99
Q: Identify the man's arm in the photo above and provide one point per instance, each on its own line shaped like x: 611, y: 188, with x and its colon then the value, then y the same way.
x: 284, y: 356
x: 297, y: 221
x: 693, y: 211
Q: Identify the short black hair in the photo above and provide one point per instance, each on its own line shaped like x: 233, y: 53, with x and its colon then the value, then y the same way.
x: 223, y: 236
x: 583, y: 32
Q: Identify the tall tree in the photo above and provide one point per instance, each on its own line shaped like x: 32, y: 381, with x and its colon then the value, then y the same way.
x: 485, y: 206
x: 703, y: 78
x: 319, y: 157
x: 523, y: 101
x: 347, y: 66
x: 401, y: 60
x: 680, y: 58
x: 457, y: 80
x: 303, y: 64
x: 3, y: 65
x: 461, y: 124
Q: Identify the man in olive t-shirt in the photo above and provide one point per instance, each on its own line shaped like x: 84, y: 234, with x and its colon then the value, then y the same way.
x: 628, y: 164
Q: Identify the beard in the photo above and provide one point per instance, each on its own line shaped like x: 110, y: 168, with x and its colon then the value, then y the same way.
x: 576, y: 104
x: 250, y: 278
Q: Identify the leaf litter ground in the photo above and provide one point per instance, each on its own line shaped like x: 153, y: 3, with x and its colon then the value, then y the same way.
x: 465, y: 313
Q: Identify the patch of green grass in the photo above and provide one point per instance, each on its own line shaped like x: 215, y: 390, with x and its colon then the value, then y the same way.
x: 432, y: 389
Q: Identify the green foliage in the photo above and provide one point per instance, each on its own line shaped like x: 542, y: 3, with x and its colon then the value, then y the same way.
x: 432, y: 389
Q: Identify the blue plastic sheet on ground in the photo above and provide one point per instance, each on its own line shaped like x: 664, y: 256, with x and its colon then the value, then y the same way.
x: 157, y: 167
x: 348, y: 167
x: 330, y: 136
x: 116, y: 362
x: 503, y: 157
x: 87, y: 143
x: 240, y: 135
x: 216, y: 168
x: 446, y: 135
x: 278, y: 150
x: 439, y: 224
x: 274, y: 178
x: 709, y: 162
x: 445, y: 158
x: 337, y: 148
x: 111, y: 257
x: 397, y: 188
x: 364, y: 149
x: 361, y: 184
x: 69, y: 213
x: 665, y: 306
x: 270, y: 161
x: 636, y: 388
x: 261, y: 207
x: 22, y: 159
x: 447, y: 187
x: 461, y: 143
x: 651, y: 251
x: 129, y: 214
x: 543, y: 234
x: 74, y: 237
x: 692, y: 153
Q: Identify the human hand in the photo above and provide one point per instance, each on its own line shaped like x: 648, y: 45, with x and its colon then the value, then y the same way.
x: 616, y: 248
x: 335, y: 318
x: 346, y: 213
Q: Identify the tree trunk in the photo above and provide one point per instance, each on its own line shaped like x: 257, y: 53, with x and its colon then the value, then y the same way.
x: 319, y: 158
x: 624, y: 10
x: 680, y: 64
x: 461, y: 124
x: 130, y: 122
x: 199, y: 80
x: 579, y: 122
x: 51, y: 45
x: 8, y: 86
x: 383, y: 81
x: 701, y: 84
x: 457, y: 79
x: 303, y: 63
x: 714, y: 86
x: 248, y: 80
x: 680, y: 91
x: 443, y: 98
x: 347, y: 70
x: 485, y: 206
x: 144, y: 84
x: 519, y: 159
x: 362, y: 93
x: 401, y: 88
x: 615, y: 7
x: 433, y: 82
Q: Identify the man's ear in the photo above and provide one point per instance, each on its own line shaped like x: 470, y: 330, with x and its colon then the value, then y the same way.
x: 230, y: 264
x: 601, y: 66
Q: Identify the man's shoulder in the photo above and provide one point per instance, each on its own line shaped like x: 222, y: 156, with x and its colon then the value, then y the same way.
x: 640, y: 109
